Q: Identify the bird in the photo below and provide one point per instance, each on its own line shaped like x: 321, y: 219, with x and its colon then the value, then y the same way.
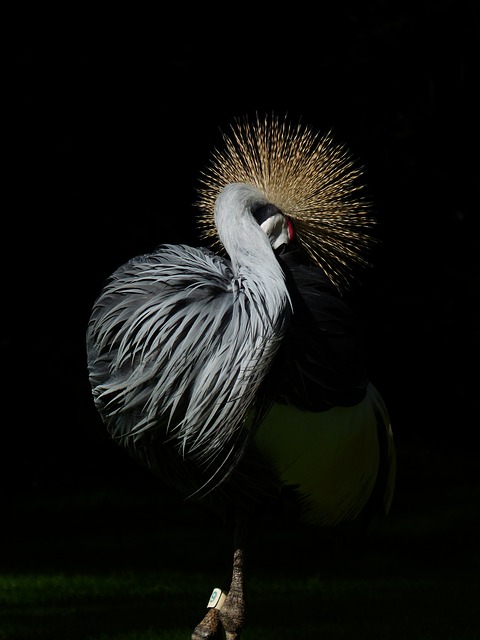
x: 235, y: 370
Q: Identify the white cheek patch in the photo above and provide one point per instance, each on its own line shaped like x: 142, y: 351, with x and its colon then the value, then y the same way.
x: 276, y: 228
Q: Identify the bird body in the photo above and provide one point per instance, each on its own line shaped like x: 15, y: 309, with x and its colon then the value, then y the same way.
x: 235, y: 374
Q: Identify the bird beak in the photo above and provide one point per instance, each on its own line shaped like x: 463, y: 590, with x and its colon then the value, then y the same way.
x: 279, y: 229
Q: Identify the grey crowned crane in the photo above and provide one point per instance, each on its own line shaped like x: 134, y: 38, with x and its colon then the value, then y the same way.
x: 235, y: 373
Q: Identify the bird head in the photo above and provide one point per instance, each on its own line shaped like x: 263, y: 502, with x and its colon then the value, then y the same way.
x: 310, y: 186
x: 277, y: 227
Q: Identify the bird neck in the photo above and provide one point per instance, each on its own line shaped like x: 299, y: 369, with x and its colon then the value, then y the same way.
x: 244, y: 240
x: 255, y: 267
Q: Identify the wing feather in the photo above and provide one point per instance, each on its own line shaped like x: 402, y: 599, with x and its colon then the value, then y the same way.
x: 178, y: 348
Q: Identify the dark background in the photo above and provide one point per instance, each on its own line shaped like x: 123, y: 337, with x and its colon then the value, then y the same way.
x: 113, y: 120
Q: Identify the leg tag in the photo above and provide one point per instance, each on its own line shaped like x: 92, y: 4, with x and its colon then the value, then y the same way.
x: 216, y: 599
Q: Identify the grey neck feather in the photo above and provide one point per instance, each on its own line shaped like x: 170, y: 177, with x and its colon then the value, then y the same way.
x: 244, y: 240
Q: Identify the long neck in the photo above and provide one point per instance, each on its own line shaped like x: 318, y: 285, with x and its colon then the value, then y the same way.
x: 244, y: 240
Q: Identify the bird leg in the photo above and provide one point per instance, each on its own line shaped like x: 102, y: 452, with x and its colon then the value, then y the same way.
x: 227, y: 611
x: 209, y: 628
x: 232, y: 613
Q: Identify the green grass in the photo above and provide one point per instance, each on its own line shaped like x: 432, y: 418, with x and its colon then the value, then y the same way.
x: 118, y: 563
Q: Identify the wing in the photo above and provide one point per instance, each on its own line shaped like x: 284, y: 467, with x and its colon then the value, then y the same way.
x: 329, y: 434
x: 177, y: 351
x: 322, y: 358
x: 341, y: 462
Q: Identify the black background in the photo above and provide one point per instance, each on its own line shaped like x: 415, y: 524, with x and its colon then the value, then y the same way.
x: 112, y: 119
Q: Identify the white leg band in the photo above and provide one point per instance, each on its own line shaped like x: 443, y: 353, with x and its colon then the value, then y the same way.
x: 216, y: 599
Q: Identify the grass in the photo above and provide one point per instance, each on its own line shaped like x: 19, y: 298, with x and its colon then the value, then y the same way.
x: 130, y: 563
